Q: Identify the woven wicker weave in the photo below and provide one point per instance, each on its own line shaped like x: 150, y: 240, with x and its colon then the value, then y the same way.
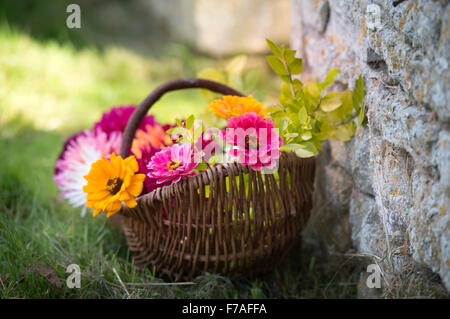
x: 244, y: 222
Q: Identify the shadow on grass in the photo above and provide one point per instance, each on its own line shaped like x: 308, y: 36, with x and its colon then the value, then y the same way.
x: 27, y: 164
x: 131, y: 24
x: 36, y: 226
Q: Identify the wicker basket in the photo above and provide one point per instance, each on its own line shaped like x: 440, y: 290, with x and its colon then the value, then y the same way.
x: 245, y: 225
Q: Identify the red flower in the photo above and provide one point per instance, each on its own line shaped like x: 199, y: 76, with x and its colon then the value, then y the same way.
x: 117, y: 118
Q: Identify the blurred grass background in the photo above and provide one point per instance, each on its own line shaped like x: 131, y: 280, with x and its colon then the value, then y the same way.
x: 55, y: 82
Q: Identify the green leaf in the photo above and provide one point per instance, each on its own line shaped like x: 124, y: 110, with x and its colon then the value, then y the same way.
x: 312, y: 89
x: 180, y: 124
x: 213, y: 160
x: 286, y: 101
x: 285, y: 89
x: 289, y: 55
x: 361, y: 115
x: 201, y: 166
x: 290, y: 147
x: 291, y: 135
x: 329, y: 78
x: 307, y: 150
x: 326, y: 131
x: 347, y: 102
x: 190, y: 122
x: 344, y: 132
x: 344, y: 112
x: 306, y: 135
x: 277, y: 65
x: 181, y: 133
x: 184, y: 140
x: 179, y: 130
x: 303, y: 115
x: 274, y: 109
x: 277, y: 115
x: 282, y: 49
x: 298, y: 85
x: 198, y: 130
x: 331, y: 101
x: 283, y: 123
x: 273, y: 47
x: 286, y: 95
x: 285, y: 78
x: 358, y: 94
x: 296, y: 66
x: 348, y: 117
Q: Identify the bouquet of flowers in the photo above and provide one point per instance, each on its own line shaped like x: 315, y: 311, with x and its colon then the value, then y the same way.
x: 91, y: 174
x: 94, y: 152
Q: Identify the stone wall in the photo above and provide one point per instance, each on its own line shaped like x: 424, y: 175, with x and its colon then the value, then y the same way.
x: 385, y: 193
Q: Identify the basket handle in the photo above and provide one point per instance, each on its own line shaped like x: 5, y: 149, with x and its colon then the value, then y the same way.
x: 179, y: 84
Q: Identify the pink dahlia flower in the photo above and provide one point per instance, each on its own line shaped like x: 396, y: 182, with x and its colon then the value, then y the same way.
x: 117, y: 118
x: 80, y: 151
x: 172, y: 163
x: 254, y: 140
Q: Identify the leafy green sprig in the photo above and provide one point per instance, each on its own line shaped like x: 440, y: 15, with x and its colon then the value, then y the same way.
x: 307, y: 114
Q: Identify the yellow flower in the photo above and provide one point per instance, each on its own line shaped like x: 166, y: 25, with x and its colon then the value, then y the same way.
x: 111, y: 182
x: 229, y: 106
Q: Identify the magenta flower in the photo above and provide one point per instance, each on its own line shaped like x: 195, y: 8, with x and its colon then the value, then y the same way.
x: 254, y: 140
x: 146, y: 155
x: 172, y: 163
x: 117, y: 118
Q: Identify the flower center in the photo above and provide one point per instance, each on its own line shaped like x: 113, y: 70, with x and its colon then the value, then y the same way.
x: 251, y: 142
x: 173, y: 164
x: 113, y: 185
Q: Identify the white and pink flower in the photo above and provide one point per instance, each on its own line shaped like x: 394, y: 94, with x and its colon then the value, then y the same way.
x: 75, y: 161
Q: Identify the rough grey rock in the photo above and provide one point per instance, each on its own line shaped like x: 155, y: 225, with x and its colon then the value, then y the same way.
x: 391, y: 183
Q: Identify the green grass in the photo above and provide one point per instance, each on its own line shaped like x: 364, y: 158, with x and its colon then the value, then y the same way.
x: 50, y: 90
x: 56, y: 87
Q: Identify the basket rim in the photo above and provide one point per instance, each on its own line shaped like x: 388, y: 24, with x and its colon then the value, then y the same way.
x: 206, y: 177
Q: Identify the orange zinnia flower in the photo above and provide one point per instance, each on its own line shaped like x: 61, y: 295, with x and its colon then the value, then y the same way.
x: 153, y: 136
x: 229, y: 106
x: 111, y: 182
